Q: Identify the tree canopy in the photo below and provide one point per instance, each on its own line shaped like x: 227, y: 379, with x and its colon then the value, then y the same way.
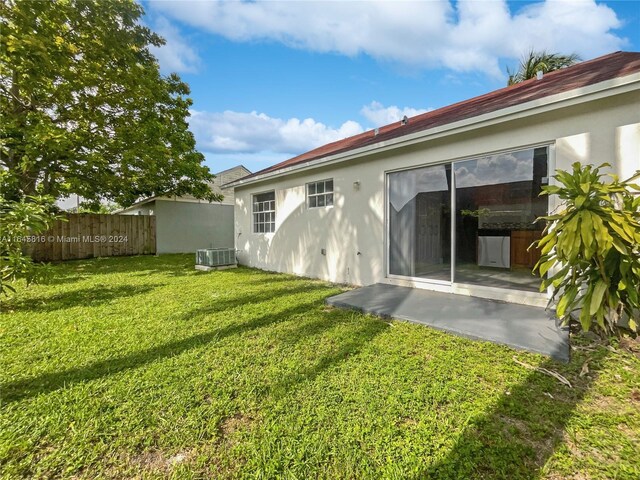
x: 544, y: 62
x: 85, y: 109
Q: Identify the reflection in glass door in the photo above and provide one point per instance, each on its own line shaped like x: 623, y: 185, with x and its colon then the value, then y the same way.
x: 497, y: 203
x: 420, y: 222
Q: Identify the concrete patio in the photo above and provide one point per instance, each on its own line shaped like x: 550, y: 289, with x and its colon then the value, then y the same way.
x: 518, y: 326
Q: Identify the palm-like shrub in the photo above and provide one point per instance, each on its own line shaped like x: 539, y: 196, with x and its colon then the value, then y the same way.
x: 591, y: 249
x: 544, y: 62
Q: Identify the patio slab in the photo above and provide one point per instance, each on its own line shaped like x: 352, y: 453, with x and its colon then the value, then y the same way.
x: 519, y: 326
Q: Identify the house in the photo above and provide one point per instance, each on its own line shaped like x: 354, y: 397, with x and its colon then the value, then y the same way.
x: 446, y: 200
x: 185, y: 224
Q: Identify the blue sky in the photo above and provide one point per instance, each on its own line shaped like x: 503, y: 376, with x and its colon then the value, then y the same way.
x: 270, y: 80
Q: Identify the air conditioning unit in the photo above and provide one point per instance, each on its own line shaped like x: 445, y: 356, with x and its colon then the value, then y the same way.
x: 215, y: 258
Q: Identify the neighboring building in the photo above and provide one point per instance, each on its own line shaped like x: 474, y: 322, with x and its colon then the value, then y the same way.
x: 185, y: 224
x: 70, y: 203
x: 445, y: 200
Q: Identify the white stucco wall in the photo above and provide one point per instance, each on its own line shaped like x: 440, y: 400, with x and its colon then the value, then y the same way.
x: 605, y: 130
x: 184, y: 227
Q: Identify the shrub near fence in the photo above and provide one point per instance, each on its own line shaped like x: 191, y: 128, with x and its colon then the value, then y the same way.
x: 88, y: 235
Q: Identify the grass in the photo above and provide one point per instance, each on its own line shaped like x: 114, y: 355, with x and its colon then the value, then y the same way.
x: 142, y: 367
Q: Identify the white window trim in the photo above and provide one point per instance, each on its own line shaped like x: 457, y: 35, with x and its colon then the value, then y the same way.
x: 325, y: 193
x: 253, y: 213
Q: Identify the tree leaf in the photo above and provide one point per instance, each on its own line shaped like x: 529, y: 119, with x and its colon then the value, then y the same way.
x: 620, y: 231
x: 551, y: 189
x: 586, y: 230
x: 566, y: 301
x: 585, y: 315
x: 547, y: 238
x: 546, y: 266
x: 617, y: 243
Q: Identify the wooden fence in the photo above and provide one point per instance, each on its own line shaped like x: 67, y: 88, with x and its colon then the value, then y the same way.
x: 87, y: 235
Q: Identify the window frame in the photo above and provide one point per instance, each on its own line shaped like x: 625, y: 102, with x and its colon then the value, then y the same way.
x: 323, y: 194
x: 255, y: 222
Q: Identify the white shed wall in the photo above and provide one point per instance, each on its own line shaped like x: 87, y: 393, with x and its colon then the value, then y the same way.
x: 184, y: 227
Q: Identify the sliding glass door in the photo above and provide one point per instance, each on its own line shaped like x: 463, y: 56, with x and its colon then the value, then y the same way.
x: 420, y: 222
x: 496, y: 200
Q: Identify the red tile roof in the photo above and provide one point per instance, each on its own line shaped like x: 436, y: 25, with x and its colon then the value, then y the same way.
x: 607, y: 67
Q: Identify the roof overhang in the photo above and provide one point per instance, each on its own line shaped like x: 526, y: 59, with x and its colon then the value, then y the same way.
x: 576, y: 96
x: 137, y: 204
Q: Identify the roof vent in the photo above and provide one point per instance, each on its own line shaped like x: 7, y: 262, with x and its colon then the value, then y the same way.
x: 404, y: 120
x: 539, y: 75
x: 376, y: 131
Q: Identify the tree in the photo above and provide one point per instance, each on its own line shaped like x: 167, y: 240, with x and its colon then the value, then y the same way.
x: 85, y: 109
x: 594, y: 245
x: 22, y: 222
x: 544, y: 62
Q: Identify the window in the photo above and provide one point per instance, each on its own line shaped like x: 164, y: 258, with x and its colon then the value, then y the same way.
x: 320, y: 194
x: 264, y: 212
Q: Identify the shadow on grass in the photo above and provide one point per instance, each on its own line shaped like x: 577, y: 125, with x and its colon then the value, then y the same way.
x: 367, y: 329
x: 48, y: 382
x: 170, y: 264
x: 92, y: 296
x: 521, y: 432
x: 218, y: 305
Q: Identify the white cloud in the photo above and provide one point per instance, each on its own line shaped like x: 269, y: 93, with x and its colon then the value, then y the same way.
x: 240, y: 132
x: 176, y: 55
x: 252, y: 132
x: 463, y: 36
x: 584, y: 27
x: 380, y: 115
x: 492, y: 170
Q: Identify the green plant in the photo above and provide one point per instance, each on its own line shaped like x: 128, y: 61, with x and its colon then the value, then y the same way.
x: 593, y: 247
x: 534, y: 62
x: 475, y: 213
x: 103, y: 208
x: 85, y: 109
x: 22, y: 222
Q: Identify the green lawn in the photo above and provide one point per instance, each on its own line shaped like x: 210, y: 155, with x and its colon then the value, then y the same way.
x: 142, y: 367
